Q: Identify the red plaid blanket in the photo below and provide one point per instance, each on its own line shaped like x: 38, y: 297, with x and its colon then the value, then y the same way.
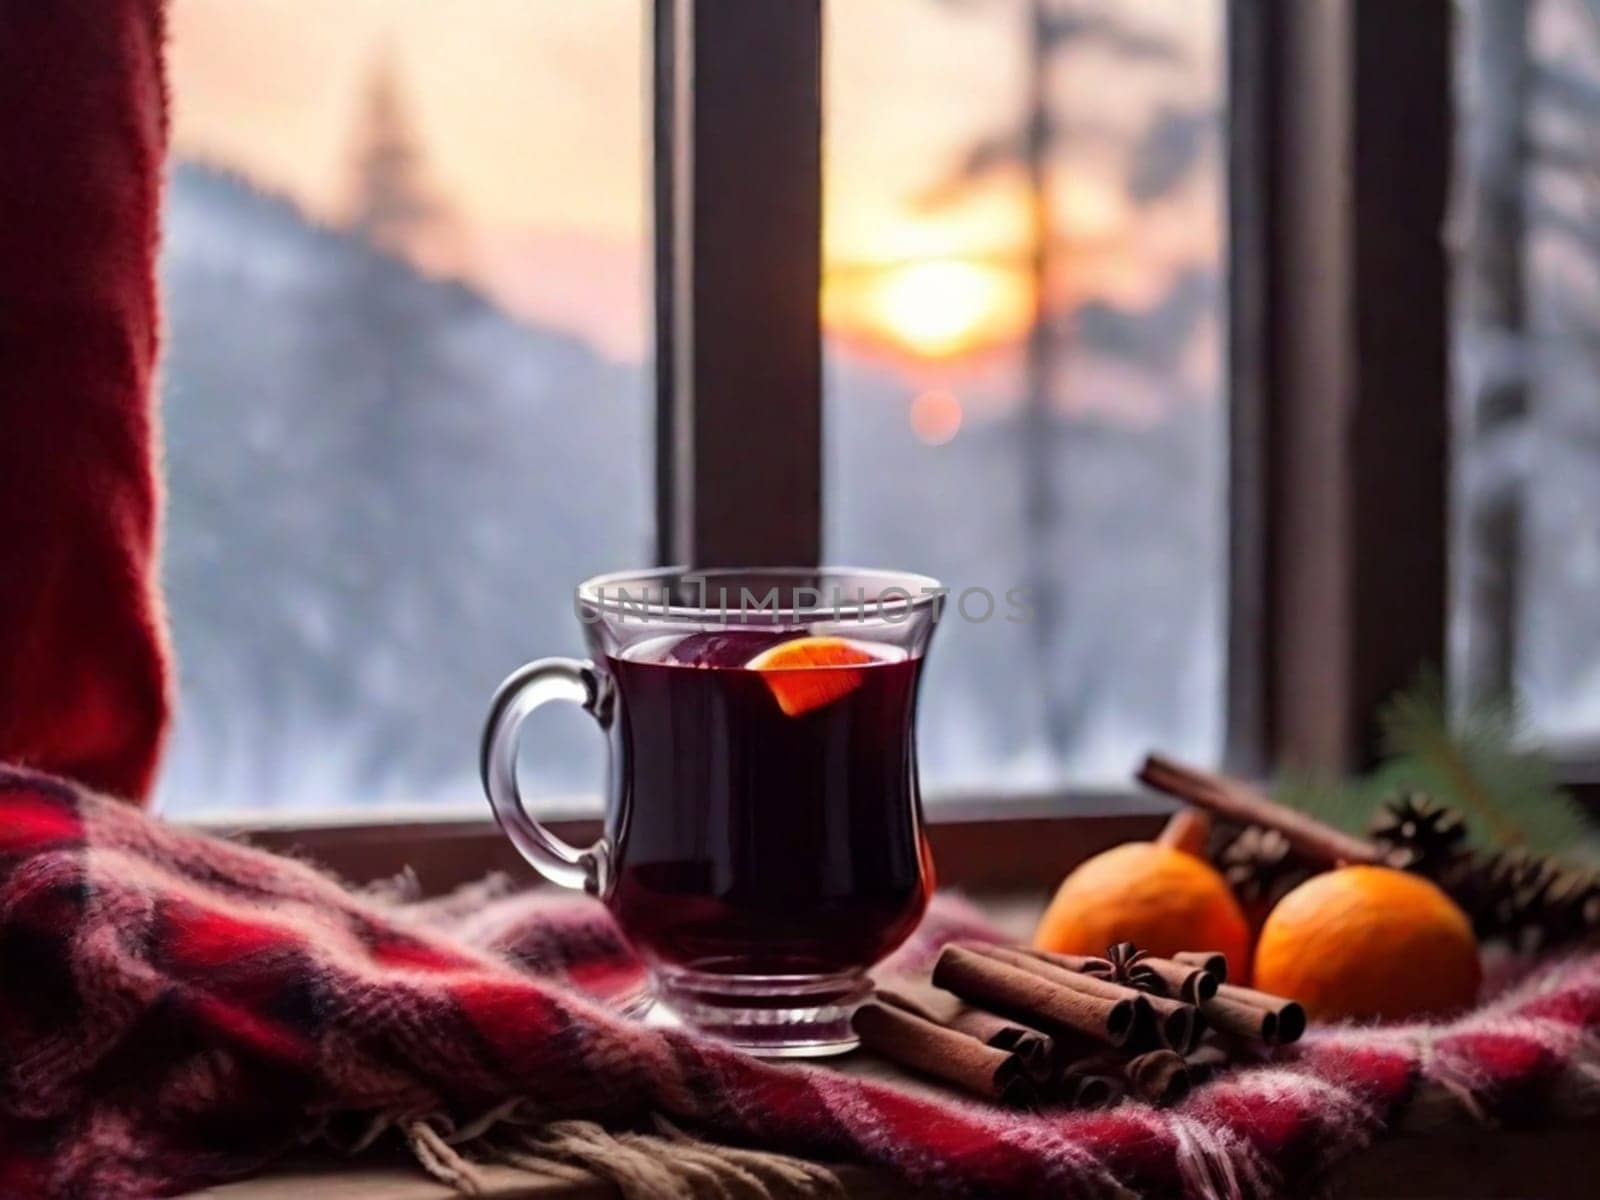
x: 175, y: 1010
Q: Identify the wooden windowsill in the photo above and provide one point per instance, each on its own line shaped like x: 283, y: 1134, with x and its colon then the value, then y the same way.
x: 980, y: 844
x: 402, y: 1181
x: 1555, y: 1164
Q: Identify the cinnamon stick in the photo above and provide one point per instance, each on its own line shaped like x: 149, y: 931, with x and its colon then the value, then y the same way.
x: 1224, y: 797
x: 1175, y: 1023
x: 1147, y: 1024
x: 1091, y: 1091
x: 1159, y: 1076
x: 1204, y: 1062
x: 1187, y: 981
x: 1189, y: 830
x: 1178, y: 1024
x: 1045, y: 963
x: 1289, y: 1016
x: 1035, y: 1048
x: 1212, y: 962
x: 1231, y: 1014
x: 1093, y: 1080
x: 926, y: 1046
x: 1004, y: 986
x: 1086, y: 964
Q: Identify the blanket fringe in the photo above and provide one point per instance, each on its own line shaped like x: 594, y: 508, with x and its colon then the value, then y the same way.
x: 441, y: 1160
x: 668, y: 1164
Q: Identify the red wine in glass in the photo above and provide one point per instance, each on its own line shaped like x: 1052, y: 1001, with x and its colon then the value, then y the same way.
x: 768, y: 823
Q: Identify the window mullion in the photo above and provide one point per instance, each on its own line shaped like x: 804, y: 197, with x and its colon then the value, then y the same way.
x: 1341, y: 157
x: 738, y: 263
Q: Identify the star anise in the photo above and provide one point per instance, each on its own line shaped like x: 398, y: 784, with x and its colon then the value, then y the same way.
x: 1124, y: 963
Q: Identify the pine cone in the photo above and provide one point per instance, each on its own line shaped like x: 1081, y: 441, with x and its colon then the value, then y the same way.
x: 1531, y: 901
x: 1261, y: 867
x: 1420, y: 834
x: 1484, y: 885
x: 1572, y: 907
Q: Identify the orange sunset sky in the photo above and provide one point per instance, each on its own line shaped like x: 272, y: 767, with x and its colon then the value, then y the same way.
x: 531, y: 116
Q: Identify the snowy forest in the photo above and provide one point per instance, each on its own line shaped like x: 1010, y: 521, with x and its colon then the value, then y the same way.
x: 383, y: 485
x: 1526, y: 228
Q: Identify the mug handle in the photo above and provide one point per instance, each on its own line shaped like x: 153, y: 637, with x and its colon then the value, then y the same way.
x: 530, y: 687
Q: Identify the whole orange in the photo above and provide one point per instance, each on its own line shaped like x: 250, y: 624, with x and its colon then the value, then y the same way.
x: 1157, y: 897
x: 1364, y: 942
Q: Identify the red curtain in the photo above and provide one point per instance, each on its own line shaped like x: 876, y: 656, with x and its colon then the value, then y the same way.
x: 84, y: 685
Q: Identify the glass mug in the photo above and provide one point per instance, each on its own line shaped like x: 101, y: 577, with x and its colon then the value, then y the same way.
x: 763, y: 843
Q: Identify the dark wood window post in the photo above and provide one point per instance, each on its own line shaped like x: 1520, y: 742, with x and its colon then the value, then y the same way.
x: 1341, y: 157
x: 738, y: 245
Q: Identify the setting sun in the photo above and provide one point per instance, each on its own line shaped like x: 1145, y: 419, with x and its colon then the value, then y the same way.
x: 946, y: 307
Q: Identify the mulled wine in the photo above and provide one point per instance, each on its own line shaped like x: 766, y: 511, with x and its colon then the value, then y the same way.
x: 767, y: 822
x: 763, y: 843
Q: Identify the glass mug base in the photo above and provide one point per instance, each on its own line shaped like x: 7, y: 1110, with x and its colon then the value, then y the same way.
x: 774, y: 1016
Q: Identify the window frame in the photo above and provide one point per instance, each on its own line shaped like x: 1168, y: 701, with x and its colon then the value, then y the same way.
x: 1340, y: 161
x: 1335, y: 240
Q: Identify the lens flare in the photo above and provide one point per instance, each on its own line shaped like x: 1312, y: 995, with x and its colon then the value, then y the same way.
x: 935, y: 417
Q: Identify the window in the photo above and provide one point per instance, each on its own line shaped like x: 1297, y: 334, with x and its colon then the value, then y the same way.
x: 1022, y: 282
x: 408, y: 351
x: 1528, y: 363
x: 406, y: 387
x: 1024, y: 237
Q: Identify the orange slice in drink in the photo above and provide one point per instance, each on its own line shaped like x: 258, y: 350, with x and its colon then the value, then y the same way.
x: 810, y: 672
